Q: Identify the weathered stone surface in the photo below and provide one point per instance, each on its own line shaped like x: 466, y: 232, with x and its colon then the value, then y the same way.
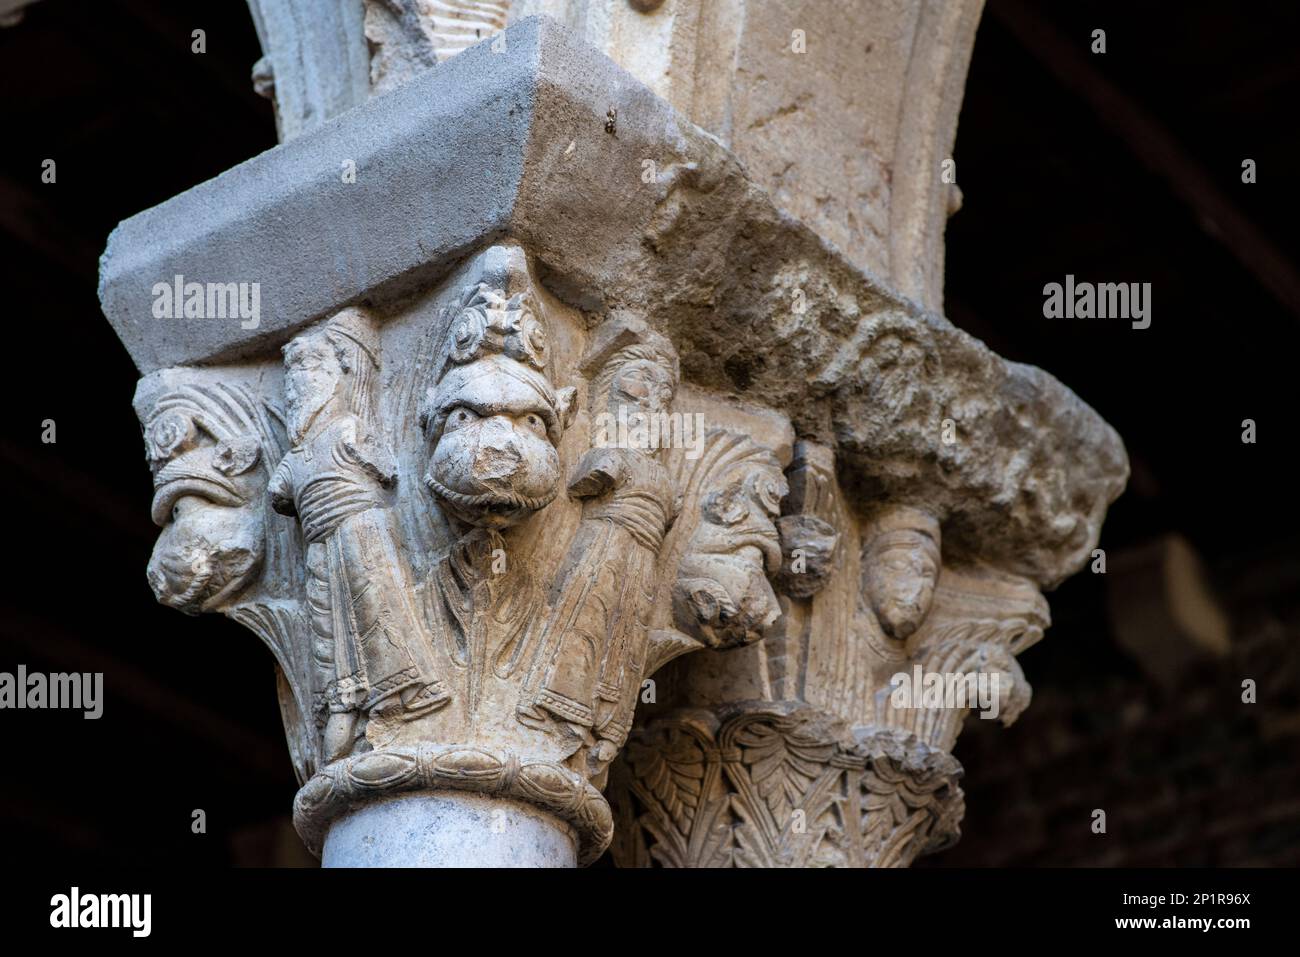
x: 755, y: 301
x: 552, y: 393
x: 809, y: 748
x: 448, y: 830
x: 316, y: 64
x: 842, y: 112
x: 407, y: 37
x: 780, y: 786
x: 463, y: 569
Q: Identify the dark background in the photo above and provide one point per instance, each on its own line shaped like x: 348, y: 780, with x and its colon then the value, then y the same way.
x: 1117, y: 167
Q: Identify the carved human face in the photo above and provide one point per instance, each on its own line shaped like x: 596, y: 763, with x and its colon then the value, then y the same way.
x: 494, y: 460
x: 641, y: 384
x: 213, y: 536
x: 902, y: 568
x: 311, y: 378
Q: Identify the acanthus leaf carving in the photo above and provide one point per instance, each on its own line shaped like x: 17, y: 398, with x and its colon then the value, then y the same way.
x: 781, y: 785
x: 824, y: 769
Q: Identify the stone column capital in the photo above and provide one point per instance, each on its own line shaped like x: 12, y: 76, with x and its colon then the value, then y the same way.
x: 550, y: 393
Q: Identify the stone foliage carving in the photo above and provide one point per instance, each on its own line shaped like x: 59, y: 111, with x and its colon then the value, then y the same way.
x: 464, y: 592
x: 780, y: 786
x: 488, y: 626
x: 466, y: 579
x: 402, y: 480
x: 213, y: 445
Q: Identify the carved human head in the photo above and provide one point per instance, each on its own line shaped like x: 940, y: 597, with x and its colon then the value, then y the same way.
x: 493, y: 418
x: 640, y: 376
x: 722, y: 594
x: 901, y: 563
x: 335, y: 362
x: 211, y: 448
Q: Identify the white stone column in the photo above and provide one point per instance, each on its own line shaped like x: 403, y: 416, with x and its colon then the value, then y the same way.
x: 449, y: 829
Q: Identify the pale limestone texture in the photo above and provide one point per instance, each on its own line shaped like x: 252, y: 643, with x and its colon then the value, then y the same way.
x: 843, y: 111
x: 598, y: 455
x: 448, y: 829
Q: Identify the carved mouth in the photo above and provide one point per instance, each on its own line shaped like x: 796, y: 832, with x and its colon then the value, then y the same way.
x: 492, y: 503
x: 209, y: 582
x: 189, y: 599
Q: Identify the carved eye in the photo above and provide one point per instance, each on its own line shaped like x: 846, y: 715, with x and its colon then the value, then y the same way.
x: 534, y: 422
x: 899, y: 561
x: 634, y: 387
x: 533, y: 338
x: 183, y: 504
x: 458, y: 418
x: 168, y: 435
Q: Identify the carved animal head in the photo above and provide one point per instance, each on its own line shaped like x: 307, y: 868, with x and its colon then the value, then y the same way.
x: 901, y: 564
x: 722, y: 594
x: 211, y: 449
x: 494, y: 420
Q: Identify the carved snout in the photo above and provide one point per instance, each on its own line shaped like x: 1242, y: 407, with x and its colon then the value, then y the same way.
x: 205, y: 555
x: 494, y: 470
x: 499, y: 456
x: 725, y: 600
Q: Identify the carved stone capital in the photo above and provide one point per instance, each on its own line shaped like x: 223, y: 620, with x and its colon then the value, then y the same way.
x: 522, y: 421
x: 460, y: 527
x: 830, y: 743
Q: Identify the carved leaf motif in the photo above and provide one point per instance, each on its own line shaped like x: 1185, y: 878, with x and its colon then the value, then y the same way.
x: 674, y: 776
x: 706, y: 844
x: 783, y: 765
x: 752, y: 848
x: 282, y: 630
x: 837, y: 848
x: 902, y: 813
x: 630, y: 846
x: 879, y: 799
x: 672, y: 771
x: 711, y: 838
